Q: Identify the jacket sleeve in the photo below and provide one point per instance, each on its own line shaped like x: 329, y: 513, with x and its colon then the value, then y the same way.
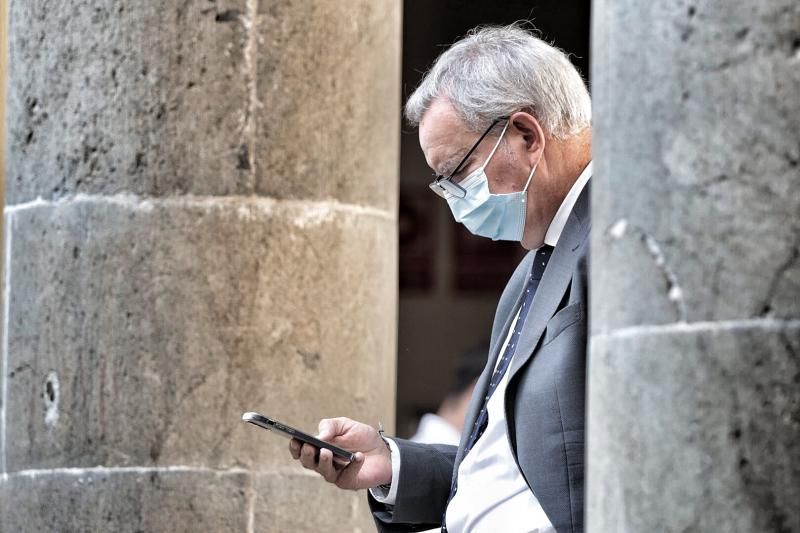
x: 426, y: 471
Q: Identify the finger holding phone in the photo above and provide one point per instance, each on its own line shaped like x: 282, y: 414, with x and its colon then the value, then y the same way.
x: 372, y: 465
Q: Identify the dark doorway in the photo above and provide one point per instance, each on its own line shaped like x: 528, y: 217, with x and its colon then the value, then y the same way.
x: 450, y: 281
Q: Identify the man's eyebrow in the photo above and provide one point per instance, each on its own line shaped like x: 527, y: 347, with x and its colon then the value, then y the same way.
x: 450, y: 164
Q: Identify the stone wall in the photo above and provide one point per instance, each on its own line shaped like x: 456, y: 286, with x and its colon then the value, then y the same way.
x: 200, y: 221
x: 694, y: 375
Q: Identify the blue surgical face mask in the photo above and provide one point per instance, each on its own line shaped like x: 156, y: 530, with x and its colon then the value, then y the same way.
x: 500, y: 217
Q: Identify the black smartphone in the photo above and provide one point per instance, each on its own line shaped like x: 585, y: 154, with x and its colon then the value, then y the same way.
x: 288, y: 431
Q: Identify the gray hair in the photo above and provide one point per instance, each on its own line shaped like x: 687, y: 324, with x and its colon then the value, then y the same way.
x: 496, y: 71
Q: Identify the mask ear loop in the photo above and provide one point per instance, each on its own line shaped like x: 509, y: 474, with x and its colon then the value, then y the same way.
x: 530, y: 177
x: 496, y: 145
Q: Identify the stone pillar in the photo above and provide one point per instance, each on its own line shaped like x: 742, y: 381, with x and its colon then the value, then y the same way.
x: 694, y: 373
x: 3, y: 68
x: 200, y: 221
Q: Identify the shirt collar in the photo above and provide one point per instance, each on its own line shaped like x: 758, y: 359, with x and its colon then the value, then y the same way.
x: 562, y: 215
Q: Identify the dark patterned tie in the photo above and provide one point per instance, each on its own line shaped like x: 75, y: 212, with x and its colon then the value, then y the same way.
x: 537, y: 270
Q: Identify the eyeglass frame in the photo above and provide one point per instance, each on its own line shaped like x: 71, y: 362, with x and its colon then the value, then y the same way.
x: 438, y: 184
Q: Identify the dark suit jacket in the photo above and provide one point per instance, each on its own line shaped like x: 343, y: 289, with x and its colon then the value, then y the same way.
x: 544, y: 401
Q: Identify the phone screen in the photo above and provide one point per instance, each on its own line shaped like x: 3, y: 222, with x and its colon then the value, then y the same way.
x: 288, y: 431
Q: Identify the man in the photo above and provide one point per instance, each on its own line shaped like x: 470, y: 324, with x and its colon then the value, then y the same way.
x: 504, y: 121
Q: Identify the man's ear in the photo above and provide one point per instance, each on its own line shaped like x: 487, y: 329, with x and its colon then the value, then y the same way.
x: 530, y: 129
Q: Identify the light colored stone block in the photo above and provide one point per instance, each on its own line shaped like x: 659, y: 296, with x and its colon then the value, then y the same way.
x: 329, y: 90
x: 126, y: 502
x: 144, y: 97
x: 694, y: 102
x: 695, y: 430
x: 162, y: 322
x: 302, y: 502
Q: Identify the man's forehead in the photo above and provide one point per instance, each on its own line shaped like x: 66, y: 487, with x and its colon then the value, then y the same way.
x: 441, y: 117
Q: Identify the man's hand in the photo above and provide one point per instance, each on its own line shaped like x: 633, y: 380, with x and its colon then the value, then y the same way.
x: 373, y: 462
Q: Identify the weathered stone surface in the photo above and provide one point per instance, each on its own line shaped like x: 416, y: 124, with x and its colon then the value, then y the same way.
x: 143, y: 97
x: 291, y: 100
x: 695, y: 427
x: 126, y: 502
x: 329, y: 89
x: 176, y: 501
x: 292, y: 503
x: 694, y: 102
x: 154, y: 296
x: 695, y: 431
x: 140, y: 332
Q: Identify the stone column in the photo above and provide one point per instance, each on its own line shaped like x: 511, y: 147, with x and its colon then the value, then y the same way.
x: 200, y: 221
x: 694, y: 374
x: 3, y: 69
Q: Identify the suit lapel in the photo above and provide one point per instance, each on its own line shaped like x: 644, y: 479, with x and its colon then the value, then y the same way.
x: 555, y: 280
x: 482, y: 385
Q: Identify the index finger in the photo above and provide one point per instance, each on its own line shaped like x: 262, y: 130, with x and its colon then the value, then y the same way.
x: 330, y: 428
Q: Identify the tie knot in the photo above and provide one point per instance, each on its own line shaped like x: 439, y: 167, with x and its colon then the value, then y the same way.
x: 540, y: 261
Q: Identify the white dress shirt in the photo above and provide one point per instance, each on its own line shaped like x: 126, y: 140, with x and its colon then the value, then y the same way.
x: 433, y: 429
x: 492, y: 495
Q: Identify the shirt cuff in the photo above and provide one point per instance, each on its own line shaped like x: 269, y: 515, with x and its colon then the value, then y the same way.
x: 388, y: 497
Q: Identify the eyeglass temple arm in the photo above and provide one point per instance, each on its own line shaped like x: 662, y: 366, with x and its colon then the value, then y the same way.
x: 474, y: 147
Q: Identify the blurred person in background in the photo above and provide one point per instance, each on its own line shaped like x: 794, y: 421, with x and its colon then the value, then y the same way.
x: 445, y: 425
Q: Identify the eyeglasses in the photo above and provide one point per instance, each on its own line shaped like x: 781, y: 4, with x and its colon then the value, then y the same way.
x: 444, y: 186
